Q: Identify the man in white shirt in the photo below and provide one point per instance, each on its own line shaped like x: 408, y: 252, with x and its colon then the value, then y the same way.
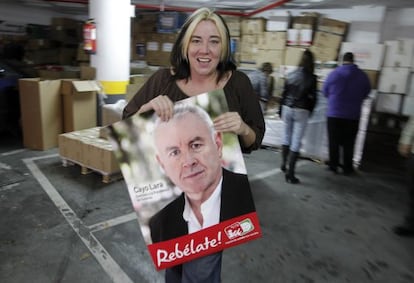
x: 190, y: 152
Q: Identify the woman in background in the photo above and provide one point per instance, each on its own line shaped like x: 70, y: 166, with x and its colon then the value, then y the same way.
x: 297, y: 103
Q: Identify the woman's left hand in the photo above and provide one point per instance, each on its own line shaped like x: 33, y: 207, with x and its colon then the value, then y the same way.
x: 230, y: 122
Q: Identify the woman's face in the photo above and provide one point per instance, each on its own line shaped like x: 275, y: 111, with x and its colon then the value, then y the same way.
x: 204, y: 49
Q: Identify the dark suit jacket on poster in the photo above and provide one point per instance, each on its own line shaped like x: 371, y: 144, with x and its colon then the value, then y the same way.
x: 236, y: 200
x: 168, y: 223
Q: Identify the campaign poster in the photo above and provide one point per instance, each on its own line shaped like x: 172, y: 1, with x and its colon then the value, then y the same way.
x: 146, y: 147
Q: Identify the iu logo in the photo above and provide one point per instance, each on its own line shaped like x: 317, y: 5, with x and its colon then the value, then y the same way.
x: 239, y: 229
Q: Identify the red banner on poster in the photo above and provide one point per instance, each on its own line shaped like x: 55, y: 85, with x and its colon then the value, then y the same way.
x: 207, y: 241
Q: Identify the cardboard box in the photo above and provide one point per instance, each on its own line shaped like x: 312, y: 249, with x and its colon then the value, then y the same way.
x: 170, y: 22
x: 324, y: 54
x: 368, y: 56
x: 299, y: 37
x: 410, y: 90
x: 54, y: 74
x: 234, y: 25
x: 408, y: 106
x: 79, y: 104
x: 327, y: 40
x: 87, y: 73
x: 275, y: 23
x: 112, y: 113
x: 399, y: 53
x: 144, y: 23
x: 394, y: 80
x: 253, y: 26
x: 158, y: 48
x: 304, y: 22
x: 388, y: 103
x: 373, y: 78
x: 293, y: 55
x: 333, y: 26
x: 41, y: 112
x: 99, y: 155
x: 272, y: 40
x: 70, y: 147
x: 276, y: 57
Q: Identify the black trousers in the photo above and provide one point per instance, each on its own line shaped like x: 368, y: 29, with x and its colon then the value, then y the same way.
x: 341, y: 135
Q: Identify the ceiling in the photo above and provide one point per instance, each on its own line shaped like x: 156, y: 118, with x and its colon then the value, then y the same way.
x: 81, y: 6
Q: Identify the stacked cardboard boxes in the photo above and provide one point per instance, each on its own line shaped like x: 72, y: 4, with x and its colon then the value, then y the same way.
x: 153, y: 36
x: 394, y: 87
x: 87, y: 149
x: 51, y: 107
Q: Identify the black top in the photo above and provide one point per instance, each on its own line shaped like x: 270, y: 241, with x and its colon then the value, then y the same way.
x: 238, y: 91
x: 300, y: 90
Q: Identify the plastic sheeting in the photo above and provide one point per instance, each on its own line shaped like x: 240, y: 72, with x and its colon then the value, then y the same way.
x: 315, y: 141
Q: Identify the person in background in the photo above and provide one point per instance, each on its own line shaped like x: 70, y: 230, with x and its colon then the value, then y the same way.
x: 406, y: 149
x: 201, y: 62
x: 263, y: 84
x: 297, y: 103
x: 346, y: 87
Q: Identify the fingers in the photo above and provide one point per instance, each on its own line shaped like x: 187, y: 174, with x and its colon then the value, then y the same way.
x: 163, y: 106
x: 228, y: 122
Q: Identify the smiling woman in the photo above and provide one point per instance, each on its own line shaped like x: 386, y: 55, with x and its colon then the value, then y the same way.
x: 201, y: 62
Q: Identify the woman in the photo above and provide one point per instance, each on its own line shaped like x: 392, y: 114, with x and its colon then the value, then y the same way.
x: 201, y: 62
x: 298, y: 101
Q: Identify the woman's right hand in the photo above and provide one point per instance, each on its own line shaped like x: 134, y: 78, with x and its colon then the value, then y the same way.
x: 162, y: 105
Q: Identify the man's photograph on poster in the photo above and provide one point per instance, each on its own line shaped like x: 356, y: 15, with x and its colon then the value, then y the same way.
x: 187, y: 182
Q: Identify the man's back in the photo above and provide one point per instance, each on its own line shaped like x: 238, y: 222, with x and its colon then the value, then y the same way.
x: 346, y: 87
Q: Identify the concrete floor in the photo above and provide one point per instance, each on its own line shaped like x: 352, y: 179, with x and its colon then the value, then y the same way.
x: 57, y: 225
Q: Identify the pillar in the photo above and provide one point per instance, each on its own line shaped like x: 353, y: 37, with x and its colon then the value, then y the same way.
x: 113, y: 41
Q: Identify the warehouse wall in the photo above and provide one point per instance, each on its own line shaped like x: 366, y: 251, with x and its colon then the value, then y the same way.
x: 369, y: 24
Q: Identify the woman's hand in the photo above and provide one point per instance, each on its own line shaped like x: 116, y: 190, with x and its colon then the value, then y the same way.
x: 231, y: 122
x: 162, y: 105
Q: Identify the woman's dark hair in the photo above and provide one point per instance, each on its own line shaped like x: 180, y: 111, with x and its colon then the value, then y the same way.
x: 178, y: 58
x: 307, y: 61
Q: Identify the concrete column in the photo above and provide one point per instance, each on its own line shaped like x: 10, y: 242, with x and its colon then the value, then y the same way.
x: 112, y: 57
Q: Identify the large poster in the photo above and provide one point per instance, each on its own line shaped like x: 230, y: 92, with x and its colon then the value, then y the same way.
x: 187, y: 183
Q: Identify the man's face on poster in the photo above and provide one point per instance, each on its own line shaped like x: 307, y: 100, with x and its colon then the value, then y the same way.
x: 190, y: 155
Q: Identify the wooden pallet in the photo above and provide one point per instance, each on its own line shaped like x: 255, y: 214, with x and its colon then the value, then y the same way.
x: 106, y: 176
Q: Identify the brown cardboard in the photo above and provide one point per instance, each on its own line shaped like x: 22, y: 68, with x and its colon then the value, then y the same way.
x: 99, y: 155
x: 293, y: 55
x: 275, y: 40
x: 79, y: 104
x: 41, y: 112
x: 87, y: 73
x: 373, y: 77
x: 333, y: 26
x: 327, y: 40
x: 70, y: 147
x: 324, y: 54
x: 253, y: 26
